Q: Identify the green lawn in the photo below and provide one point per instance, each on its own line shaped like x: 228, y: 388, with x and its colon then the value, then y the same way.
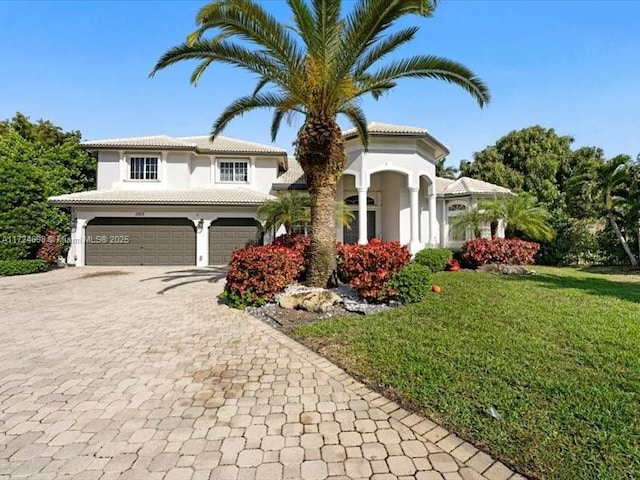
x: 557, y: 353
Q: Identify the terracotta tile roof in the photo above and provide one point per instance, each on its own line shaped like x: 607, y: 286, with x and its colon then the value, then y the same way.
x: 191, y: 196
x: 226, y: 144
x: 198, y: 143
x: 467, y: 186
x: 294, y: 176
x: 389, y: 128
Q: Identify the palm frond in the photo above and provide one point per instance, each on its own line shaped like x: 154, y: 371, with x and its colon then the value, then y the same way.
x: 244, y: 104
x: 356, y: 116
x: 379, y: 50
x: 431, y: 66
x: 226, y: 52
x: 247, y: 20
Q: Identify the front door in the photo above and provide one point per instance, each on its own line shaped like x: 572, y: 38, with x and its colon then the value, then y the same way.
x: 350, y: 235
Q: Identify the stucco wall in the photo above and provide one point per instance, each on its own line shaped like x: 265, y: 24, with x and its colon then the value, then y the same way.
x: 200, y: 171
x: 177, y: 171
x: 108, y: 170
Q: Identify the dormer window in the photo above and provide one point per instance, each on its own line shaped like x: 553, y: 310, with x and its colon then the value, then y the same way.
x: 234, y: 172
x: 143, y: 168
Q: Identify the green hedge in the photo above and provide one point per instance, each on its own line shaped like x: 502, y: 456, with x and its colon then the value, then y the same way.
x: 21, y: 267
x: 411, y: 284
x: 434, y: 258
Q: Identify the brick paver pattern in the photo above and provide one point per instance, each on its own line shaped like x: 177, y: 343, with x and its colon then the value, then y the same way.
x: 145, y: 375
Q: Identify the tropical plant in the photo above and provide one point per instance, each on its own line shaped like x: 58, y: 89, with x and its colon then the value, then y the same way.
x: 444, y: 171
x: 521, y: 213
x: 473, y: 219
x: 319, y: 66
x: 288, y: 209
x: 291, y: 209
x: 607, y: 186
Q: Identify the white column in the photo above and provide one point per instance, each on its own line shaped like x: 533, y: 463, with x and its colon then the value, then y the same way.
x: 77, y: 237
x: 444, y: 230
x: 433, y: 220
x: 414, y: 205
x: 202, y: 241
x: 362, y: 216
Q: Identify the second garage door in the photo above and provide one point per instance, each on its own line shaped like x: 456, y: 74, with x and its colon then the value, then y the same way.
x: 229, y: 234
x: 140, y: 241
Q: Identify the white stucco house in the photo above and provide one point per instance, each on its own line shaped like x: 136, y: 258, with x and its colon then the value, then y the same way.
x: 164, y: 200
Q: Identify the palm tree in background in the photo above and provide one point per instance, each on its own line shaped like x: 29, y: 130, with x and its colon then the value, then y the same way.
x: 519, y: 214
x: 289, y: 209
x: 444, y: 171
x: 472, y: 219
x: 607, y: 187
x: 321, y: 65
x: 292, y: 209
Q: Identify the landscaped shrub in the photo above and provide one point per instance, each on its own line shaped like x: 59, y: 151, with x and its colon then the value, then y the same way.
x: 50, y: 250
x: 21, y: 267
x: 512, y: 251
x: 411, y: 284
x: 256, y: 274
x: 299, y: 243
x: 368, y: 268
x: 453, y: 265
x: 434, y: 258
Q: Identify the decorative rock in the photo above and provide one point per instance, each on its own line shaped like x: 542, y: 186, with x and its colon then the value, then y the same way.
x: 506, y: 269
x: 317, y: 301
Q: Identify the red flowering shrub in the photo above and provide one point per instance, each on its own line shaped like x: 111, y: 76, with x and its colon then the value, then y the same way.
x: 512, y: 251
x: 256, y: 274
x: 368, y: 268
x: 453, y: 265
x: 298, y: 243
x: 295, y: 241
x: 49, y: 250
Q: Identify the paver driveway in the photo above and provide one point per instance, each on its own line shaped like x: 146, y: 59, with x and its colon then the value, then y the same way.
x: 143, y: 374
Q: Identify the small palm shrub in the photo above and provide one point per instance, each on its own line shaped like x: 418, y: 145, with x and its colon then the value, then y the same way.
x: 411, y: 284
x: 368, y: 268
x: 434, y: 258
x: 256, y: 274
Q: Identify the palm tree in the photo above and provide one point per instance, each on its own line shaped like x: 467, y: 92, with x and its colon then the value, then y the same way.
x: 289, y: 209
x: 320, y: 66
x: 473, y: 219
x: 520, y: 213
x: 443, y: 171
x: 292, y: 209
x: 604, y: 186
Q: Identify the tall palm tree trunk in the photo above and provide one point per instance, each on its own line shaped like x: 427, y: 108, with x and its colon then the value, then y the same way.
x: 623, y: 241
x: 320, y: 151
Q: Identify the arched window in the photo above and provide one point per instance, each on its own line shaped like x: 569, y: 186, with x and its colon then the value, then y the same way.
x: 353, y: 200
x: 454, y: 209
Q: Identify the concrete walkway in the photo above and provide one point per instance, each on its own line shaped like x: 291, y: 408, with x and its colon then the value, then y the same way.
x: 139, y: 373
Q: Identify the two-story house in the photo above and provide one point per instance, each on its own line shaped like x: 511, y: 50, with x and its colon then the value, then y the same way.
x: 188, y: 201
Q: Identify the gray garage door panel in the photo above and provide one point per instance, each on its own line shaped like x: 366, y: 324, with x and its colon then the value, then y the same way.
x: 229, y: 234
x: 151, y: 241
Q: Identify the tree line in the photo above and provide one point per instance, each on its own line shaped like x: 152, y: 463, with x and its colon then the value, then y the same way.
x: 593, y: 201
x: 37, y: 160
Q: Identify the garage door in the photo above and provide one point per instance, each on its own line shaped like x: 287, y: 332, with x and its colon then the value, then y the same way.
x: 140, y: 241
x: 229, y: 234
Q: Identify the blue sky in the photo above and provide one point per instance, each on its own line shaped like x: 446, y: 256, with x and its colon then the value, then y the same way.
x: 570, y: 65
